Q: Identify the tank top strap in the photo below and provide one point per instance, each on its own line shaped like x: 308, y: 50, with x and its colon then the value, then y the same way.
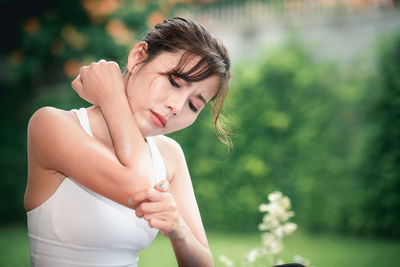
x: 84, y: 120
x: 158, y: 161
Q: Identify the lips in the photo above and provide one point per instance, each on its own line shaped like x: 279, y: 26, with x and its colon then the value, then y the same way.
x: 159, y: 119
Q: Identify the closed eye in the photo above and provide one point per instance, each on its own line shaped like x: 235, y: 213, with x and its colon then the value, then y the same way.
x: 192, y: 107
x: 172, y: 81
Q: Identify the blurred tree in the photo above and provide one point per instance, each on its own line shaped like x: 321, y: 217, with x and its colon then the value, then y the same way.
x: 298, y: 120
x: 381, y: 167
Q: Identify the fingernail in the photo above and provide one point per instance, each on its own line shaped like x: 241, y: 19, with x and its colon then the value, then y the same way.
x: 163, y: 185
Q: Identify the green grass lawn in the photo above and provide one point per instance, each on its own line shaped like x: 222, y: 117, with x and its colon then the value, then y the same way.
x: 322, y: 250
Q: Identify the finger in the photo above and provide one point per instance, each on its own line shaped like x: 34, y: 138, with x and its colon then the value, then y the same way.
x: 83, y: 69
x: 116, y: 64
x: 139, y: 197
x: 157, y: 223
x: 149, y: 208
x: 149, y: 194
x: 164, y: 215
x: 154, y: 207
x: 103, y: 61
x: 77, y: 84
x: 162, y: 186
x: 165, y: 227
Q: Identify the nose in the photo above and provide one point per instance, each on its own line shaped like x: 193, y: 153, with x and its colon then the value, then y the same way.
x: 173, y: 110
x: 176, y: 103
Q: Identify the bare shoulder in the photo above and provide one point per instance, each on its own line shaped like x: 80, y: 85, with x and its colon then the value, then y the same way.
x: 49, y: 116
x: 169, y: 145
x: 48, y: 120
x: 172, y: 154
x: 48, y: 127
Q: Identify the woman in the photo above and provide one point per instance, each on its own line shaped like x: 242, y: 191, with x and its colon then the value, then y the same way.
x: 84, y: 183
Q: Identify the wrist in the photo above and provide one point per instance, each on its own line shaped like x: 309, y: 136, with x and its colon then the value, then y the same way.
x: 181, y: 231
x: 115, y: 100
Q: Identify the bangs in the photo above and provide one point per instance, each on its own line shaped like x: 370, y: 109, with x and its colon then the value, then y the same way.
x: 206, y: 67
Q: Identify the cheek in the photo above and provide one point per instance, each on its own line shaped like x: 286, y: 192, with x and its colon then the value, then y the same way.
x: 135, y: 103
x: 138, y: 90
x: 137, y: 97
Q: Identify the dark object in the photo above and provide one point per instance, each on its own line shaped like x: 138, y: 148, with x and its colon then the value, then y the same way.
x: 290, y: 265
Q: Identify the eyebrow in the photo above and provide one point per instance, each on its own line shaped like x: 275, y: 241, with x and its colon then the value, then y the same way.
x: 199, y: 96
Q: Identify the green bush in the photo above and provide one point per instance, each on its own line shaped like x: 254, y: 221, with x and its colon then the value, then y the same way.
x: 381, y: 168
x: 303, y: 129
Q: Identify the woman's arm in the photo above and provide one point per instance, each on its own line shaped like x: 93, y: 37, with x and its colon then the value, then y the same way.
x: 175, y: 213
x: 57, y: 142
x: 64, y: 147
x: 102, y: 85
x: 191, y: 246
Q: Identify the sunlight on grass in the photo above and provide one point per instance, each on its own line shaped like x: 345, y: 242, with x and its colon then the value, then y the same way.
x: 323, y: 250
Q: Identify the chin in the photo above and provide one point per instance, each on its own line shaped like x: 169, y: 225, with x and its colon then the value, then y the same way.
x: 149, y: 130
x: 143, y: 129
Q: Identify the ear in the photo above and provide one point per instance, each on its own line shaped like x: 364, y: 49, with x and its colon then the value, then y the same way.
x: 137, y: 55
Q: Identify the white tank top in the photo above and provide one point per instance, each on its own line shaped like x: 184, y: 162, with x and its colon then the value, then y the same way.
x: 78, y: 227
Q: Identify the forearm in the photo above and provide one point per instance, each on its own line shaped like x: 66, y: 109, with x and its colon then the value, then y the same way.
x: 102, y: 84
x: 128, y: 142
x: 189, y: 251
x: 126, y: 169
x: 130, y: 146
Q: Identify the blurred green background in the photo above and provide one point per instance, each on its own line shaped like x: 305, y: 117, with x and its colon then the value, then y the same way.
x: 322, y: 126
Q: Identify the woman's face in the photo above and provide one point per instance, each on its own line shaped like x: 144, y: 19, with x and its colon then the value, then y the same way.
x: 163, y: 104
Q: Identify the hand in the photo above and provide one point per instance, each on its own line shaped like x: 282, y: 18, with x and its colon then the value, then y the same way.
x: 158, y: 207
x: 99, y: 82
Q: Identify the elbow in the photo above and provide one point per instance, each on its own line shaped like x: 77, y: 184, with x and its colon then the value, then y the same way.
x: 208, y: 259
x: 211, y: 259
x: 137, y: 179
x: 125, y: 157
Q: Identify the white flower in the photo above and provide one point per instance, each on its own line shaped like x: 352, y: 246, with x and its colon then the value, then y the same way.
x: 276, y: 247
x: 270, y: 221
x: 263, y: 207
x: 276, y: 227
x: 268, y: 238
x: 226, y: 261
x: 285, y: 202
x: 279, y: 231
x: 284, y: 216
x: 275, y: 209
x: 272, y: 243
x: 252, y: 255
x: 274, y: 196
x: 263, y: 227
x: 289, y: 228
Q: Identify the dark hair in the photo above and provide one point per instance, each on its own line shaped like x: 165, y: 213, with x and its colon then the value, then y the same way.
x: 183, y: 35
